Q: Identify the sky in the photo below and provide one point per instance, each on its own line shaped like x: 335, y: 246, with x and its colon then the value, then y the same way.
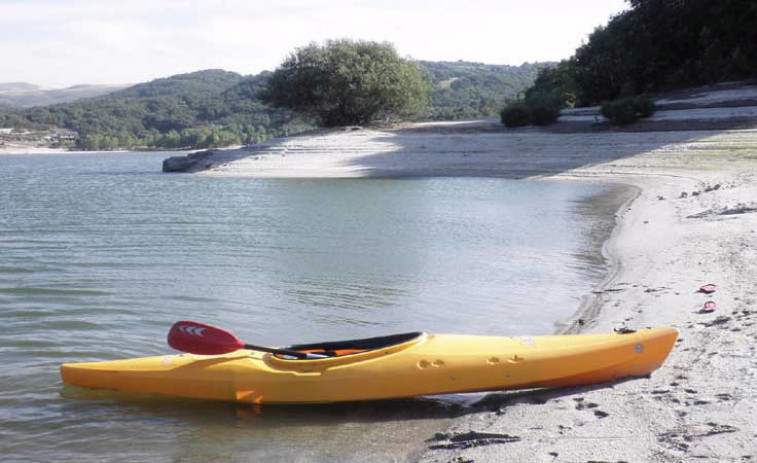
x: 59, y: 43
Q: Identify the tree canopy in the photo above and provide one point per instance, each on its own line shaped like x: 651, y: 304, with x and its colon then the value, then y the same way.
x: 660, y: 45
x: 345, y: 82
x: 197, y: 110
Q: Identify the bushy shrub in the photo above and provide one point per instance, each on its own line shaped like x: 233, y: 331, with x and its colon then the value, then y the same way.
x: 541, y: 108
x: 623, y: 111
x: 516, y: 115
x: 544, y: 107
x: 645, y: 106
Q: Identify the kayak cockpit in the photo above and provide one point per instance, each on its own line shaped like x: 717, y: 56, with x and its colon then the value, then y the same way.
x: 333, y: 349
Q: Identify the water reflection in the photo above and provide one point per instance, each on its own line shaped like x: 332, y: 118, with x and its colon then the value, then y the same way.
x: 192, y: 430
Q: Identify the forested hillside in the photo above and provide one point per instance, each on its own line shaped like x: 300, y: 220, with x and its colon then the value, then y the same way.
x: 218, y: 108
x: 200, y: 109
x: 659, y: 45
x: 207, y: 82
x: 464, y: 90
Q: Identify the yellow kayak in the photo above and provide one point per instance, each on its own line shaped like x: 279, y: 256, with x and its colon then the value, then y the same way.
x: 403, y: 365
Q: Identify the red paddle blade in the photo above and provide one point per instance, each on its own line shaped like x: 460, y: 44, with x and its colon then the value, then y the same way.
x: 199, y: 338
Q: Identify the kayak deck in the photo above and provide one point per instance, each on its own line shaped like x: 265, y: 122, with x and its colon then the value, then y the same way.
x: 412, y: 364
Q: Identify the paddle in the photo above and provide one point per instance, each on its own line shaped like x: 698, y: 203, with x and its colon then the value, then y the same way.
x: 200, y: 338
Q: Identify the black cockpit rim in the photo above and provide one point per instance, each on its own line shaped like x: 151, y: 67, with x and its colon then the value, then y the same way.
x: 359, y: 344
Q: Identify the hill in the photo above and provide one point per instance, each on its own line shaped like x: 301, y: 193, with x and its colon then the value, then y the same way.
x: 207, y: 82
x: 24, y: 95
x: 214, y: 107
x: 9, y: 87
x: 464, y: 90
x: 195, y: 110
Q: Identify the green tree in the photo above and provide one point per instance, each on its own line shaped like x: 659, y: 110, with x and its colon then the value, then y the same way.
x: 557, y: 80
x: 539, y: 108
x: 659, y: 45
x: 344, y: 82
x: 464, y: 90
x: 515, y: 115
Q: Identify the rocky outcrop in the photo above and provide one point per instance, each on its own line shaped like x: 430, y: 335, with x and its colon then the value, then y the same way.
x: 189, y: 163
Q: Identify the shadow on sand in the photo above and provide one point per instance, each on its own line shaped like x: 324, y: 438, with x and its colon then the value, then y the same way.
x: 334, y: 414
x: 474, y: 149
x: 527, y: 153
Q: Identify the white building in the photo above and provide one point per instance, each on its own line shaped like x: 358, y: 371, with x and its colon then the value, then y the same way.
x: 67, y: 135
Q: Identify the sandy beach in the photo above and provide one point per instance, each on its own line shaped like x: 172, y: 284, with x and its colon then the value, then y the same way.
x: 692, y: 222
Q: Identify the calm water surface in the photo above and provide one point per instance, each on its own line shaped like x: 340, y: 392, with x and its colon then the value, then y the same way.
x: 101, y: 253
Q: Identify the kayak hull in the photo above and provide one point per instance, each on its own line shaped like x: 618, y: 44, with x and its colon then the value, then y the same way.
x: 427, y: 365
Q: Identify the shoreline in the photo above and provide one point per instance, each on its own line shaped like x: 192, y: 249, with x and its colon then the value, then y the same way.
x: 674, y: 415
x: 21, y: 150
x: 588, y: 308
x: 689, y: 223
x: 18, y: 150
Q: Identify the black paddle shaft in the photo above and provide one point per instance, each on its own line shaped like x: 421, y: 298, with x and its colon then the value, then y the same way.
x: 290, y: 353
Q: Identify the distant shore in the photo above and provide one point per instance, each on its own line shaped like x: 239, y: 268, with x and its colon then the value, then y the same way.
x: 16, y: 148
x: 35, y: 148
x: 693, y: 222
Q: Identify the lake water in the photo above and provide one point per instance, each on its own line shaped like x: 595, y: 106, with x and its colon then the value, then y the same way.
x: 101, y: 253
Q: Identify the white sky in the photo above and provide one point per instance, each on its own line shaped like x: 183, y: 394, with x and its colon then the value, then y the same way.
x: 58, y: 43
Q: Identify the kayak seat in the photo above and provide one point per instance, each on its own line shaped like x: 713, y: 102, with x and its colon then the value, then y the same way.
x: 354, y: 346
